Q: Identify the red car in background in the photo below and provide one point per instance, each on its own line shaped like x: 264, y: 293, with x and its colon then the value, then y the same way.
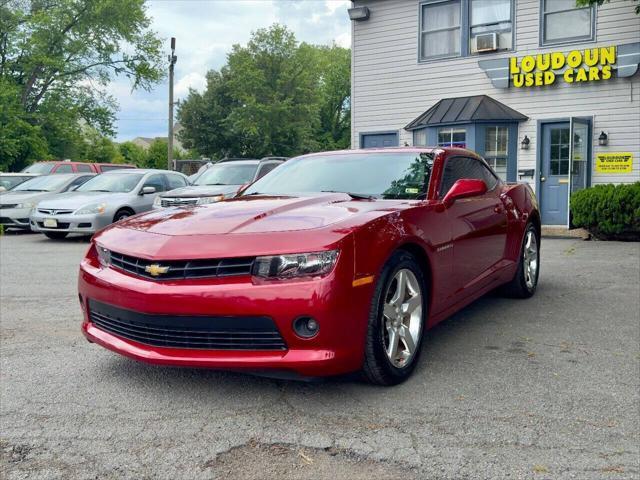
x: 64, y: 166
x: 332, y: 263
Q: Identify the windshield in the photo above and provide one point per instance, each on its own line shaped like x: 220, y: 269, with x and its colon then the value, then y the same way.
x: 227, y: 174
x: 111, y: 182
x: 381, y: 175
x: 8, y: 182
x: 49, y: 183
x: 43, y: 168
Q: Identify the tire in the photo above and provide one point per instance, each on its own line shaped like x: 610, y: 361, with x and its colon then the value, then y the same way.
x: 525, y: 281
x: 56, y: 235
x: 381, y: 367
x: 122, y: 214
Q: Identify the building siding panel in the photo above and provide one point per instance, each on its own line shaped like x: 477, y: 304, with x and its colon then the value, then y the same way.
x: 390, y: 87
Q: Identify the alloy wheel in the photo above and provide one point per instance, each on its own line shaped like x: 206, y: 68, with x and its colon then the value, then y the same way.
x: 402, y: 315
x: 530, y: 259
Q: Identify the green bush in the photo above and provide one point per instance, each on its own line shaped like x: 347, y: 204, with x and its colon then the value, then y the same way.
x: 609, y: 212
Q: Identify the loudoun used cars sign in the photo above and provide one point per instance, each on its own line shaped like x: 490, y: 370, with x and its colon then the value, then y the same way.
x: 589, y: 65
x: 576, y: 67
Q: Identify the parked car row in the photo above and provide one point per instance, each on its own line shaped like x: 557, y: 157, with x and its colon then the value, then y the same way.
x: 58, y: 204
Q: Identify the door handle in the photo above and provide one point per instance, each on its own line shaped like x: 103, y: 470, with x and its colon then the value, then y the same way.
x: 543, y: 179
x: 498, y: 209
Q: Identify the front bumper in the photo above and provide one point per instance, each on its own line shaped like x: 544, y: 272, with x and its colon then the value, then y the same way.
x: 340, y: 309
x: 15, y: 217
x: 70, y: 223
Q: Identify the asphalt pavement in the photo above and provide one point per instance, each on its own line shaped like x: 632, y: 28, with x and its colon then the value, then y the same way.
x: 540, y: 388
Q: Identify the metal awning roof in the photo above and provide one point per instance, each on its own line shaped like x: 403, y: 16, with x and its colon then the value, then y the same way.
x: 477, y: 108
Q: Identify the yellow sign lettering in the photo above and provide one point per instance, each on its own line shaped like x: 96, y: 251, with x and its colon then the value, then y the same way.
x: 614, y: 162
x: 588, y: 65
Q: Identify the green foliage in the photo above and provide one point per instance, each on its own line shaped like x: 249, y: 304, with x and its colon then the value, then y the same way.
x: 586, y: 3
x: 133, y: 154
x: 157, y: 154
x: 608, y: 211
x: 56, y: 58
x: 274, y: 97
x: 101, y: 149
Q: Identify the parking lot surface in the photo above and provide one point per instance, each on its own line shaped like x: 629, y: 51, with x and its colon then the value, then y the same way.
x: 539, y: 388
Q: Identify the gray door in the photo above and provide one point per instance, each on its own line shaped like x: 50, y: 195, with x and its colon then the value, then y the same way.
x: 554, y: 173
x: 379, y: 140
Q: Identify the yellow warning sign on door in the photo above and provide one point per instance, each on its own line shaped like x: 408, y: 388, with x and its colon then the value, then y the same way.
x: 614, y: 162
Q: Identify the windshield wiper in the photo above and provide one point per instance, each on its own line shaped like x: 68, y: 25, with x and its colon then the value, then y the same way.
x: 32, y: 190
x: 215, y: 184
x: 108, y: 191
x: 355, y: 196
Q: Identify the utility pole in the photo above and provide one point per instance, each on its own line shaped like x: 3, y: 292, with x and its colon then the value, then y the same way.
x: 172, y: 62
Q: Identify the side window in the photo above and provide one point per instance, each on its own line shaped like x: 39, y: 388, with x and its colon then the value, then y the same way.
x: 64, y: 168
x: 84, y: 167
x: 265, y: 168
x: 175, y: 181
x: 562, y: 21
x: 157, y: 181
x: 461, y: 167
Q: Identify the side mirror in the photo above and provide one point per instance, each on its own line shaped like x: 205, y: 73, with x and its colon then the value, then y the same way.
x: 147, y: 190
x: 463, y: 188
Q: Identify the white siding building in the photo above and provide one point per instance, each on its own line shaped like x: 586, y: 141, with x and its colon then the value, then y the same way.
x: 418, y: 78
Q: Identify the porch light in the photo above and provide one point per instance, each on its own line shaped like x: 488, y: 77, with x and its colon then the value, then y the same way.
x: 603, y: 139
x: 359, y: 13
x: 524, y: 145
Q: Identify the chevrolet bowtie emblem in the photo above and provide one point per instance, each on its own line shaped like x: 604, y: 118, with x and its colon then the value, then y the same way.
x: 154, y: 269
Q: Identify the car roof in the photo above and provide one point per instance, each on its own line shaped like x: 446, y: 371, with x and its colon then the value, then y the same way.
x: 436, y: 149
x: 131, y: 171
x: 18, y: 174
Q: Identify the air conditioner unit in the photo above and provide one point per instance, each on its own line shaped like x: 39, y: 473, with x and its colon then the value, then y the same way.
x: 487, y: 42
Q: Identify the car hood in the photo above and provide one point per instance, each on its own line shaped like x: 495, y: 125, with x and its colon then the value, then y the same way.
x: 74, y: 200
x: 261, y: 214
x: 11, y: 198
x: 202, y: 191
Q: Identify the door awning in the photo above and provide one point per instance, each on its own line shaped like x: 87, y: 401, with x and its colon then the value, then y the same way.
x: 477, y: 108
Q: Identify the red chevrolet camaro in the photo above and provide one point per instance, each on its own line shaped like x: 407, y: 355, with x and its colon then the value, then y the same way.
x: 334, y: 262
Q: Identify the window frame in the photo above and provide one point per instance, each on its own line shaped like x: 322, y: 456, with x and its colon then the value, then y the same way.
x: 167, y: 181
x: 146, y: 179
x: 568, y: 40
x: 465, y: 32
x: 483, y: 164
x: 451, y: 129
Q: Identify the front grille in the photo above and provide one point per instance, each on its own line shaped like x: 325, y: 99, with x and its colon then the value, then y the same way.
x: 61, y: 226
x: 177, y: 202
x: 189, y: 332
x: 5, y: 220
x: 7, y: 205
x: 182, y: 269
x: 48, y: 211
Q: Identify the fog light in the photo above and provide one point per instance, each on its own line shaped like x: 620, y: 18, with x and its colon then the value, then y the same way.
x: 306, y: 327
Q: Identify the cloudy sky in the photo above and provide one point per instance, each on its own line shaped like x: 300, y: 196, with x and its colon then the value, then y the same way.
x: 205, y: 30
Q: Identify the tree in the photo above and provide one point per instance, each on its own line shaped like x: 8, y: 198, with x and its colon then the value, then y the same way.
x: 59, y: 55
x: 586, y: 3
x: 157, y: 154
x: 101, y: 149
x: 274, y: 97
x: 334, y: 108
x: 133, y: 154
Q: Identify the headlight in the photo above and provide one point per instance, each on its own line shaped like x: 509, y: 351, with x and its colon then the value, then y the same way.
x: 207, y: 200
x: 25, y: 205
x: 104, y: 255
x: 157, y: 202
x: 95, y: 208
x: 295, y: 265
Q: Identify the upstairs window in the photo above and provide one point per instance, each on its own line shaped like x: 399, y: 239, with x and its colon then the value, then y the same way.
x: 490, y: 18
x: 563, y: 22
x: 440, y: 29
